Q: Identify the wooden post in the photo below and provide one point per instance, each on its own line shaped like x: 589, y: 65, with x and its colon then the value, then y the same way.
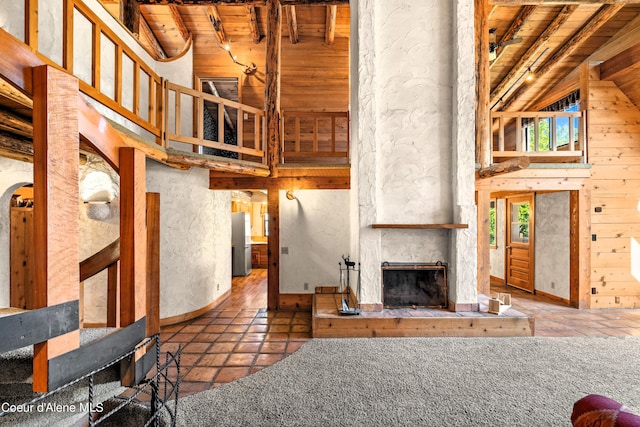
x: 483, y: 85
x: 580, y: 248
x: 272, y: 85
x: 133, y: 236
x: 153, y: 264
x: 55, y: 176
x: 273, y: 269
x: 133, y: 249
x: 484, y: 256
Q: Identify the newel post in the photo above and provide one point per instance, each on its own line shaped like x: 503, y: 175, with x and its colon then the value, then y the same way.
x: 56, y: 199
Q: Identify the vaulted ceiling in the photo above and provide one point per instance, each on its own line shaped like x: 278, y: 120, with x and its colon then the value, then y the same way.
x: 539, y: 45
x: 539, y: 48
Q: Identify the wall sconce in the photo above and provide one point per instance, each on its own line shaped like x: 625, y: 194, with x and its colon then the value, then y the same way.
x: 290, y: 195
x: 249, y: 68
x: 97, y: 188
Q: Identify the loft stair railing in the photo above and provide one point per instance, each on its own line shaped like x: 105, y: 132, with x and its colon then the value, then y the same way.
x: 105, y: 259
x: 543, y: 135
x: 108, y: 70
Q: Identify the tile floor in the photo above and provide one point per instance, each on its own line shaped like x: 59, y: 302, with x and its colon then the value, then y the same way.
x: 554, y: 319
x: 239, y: 337
x: 235, y: 339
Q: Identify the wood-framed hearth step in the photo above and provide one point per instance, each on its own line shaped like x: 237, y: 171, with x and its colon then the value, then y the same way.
x: 327, y: 322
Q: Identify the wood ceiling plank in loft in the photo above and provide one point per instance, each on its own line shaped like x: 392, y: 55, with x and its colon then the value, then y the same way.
x: 240, y: 2
x: 604, y: 14
x: 533, y: 52
x: 168, y: 27
x: 513, y: 29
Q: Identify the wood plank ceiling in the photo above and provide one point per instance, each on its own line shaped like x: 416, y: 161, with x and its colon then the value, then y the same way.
x: 539, y: 48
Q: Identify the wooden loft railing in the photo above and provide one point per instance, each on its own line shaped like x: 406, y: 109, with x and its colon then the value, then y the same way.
x: 112, y: 74
x: 557, y: 137
x: 318, y: 137
x: 109, y: 71
x: 249, y: 132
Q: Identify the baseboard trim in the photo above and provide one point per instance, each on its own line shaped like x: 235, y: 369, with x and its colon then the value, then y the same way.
x: 497, y: 280
x: 172, y: 320
x: 552, y: 297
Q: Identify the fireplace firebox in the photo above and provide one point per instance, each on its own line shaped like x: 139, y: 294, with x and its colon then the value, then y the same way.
x: 414, y: 285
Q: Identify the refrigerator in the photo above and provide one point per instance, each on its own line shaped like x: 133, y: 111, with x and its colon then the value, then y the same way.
x: 241, y: 243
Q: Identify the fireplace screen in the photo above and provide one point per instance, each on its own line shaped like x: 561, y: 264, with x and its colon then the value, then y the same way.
x: 414, y: 285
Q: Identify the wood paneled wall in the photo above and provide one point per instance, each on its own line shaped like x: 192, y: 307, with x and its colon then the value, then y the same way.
x: 314, y: 75
x: 614, y: 152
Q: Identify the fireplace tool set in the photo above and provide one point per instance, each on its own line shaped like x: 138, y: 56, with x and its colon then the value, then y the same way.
x: 347, y: 308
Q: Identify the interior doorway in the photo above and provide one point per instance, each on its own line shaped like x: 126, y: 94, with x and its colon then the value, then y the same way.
x: 519, y: 248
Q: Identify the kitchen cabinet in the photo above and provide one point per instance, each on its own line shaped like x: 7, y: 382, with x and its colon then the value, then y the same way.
x: 259, y: 257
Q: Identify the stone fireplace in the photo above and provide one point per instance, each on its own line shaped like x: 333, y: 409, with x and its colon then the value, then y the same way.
x: 414, y: 285
x: 413, y: 143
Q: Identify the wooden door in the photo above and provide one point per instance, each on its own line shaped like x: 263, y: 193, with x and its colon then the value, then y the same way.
x: 519, y: 248
x: 21, y: 258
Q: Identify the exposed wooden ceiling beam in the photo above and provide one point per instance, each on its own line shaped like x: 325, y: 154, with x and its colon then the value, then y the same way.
x: 148, y: 39
x: 292, y: 23
x: 330, y: 30
x: 179, y: 22
x: 130, y: 15
x: 531, y: 54
x: 14, y: 124
x: 604, y: 14
x: 216, y: 23
x: 513, y: 29
x: 253, y: 24
x: 627, y: 61
x: 16, y: 148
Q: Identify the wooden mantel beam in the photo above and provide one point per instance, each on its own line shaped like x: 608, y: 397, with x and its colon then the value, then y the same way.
x: 604, y: 14
x: 511, y: 165
x: 534, y: 50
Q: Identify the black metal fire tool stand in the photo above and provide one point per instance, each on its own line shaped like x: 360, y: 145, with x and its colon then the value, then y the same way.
x: 345, y: 287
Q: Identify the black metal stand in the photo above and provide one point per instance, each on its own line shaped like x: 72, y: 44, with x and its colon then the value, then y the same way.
x: 345, y: 308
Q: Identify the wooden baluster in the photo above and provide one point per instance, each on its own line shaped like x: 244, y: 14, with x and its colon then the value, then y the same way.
x: 553, y: 142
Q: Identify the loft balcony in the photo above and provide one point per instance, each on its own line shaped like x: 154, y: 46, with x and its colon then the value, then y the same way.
x: 541, y: 137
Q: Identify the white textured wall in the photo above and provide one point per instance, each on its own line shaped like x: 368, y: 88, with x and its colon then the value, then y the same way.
x: 552, y: 251
x: 413, y: 121
x: 315, y: 227
x: 497, y: 254
x: 99, y: 226
x: 195, y: 238
x: 13, y: 175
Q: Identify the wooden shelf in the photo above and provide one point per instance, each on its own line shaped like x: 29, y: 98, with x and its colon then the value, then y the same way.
x: 421, y: 226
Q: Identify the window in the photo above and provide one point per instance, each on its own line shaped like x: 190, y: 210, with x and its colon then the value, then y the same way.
x: 492, y: 224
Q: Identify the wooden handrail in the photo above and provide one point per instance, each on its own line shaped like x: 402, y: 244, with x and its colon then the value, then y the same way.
x: 198, y: 102
x: 101, y: 260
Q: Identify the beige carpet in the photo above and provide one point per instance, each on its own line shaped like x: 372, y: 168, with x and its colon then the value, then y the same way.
x: 426, y: 382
